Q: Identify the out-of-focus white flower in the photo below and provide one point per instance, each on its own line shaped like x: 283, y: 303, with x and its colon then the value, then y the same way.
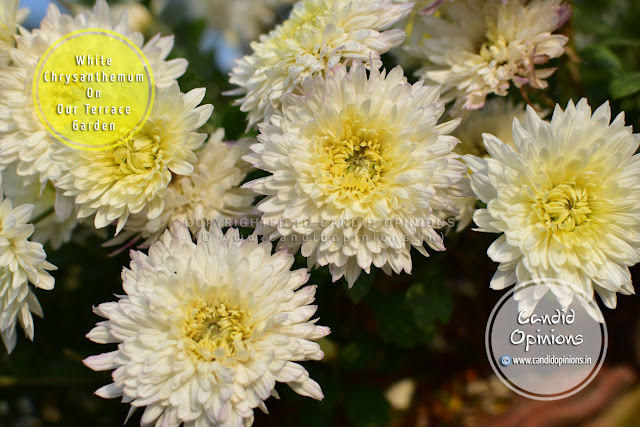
x: 23, y: 138
x: 139, y: 17
x: 361, y: 170
x: 54, y: 213
x: 210, y: 194
x: 566, y: 201
x: 21, y: 262
x: 496, y: 118
x: 318, y: 35
x: 120, y: 181
x: 10, y: 17
x: 240, y: 21
x: 400, y: 394
x: 478, y: 47
x: 433, y: 5
x: 206, y: 329
x: 403, y: 57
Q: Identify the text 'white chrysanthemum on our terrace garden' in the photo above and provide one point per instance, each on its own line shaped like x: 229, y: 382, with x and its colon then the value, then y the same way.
x: 566, y: 201
x: 206, y: 329
x: 361, y: 171
x: 23, y: 137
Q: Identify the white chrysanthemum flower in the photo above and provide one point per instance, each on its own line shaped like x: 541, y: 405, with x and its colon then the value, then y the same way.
x: 567, y: 200
x: 318, y: 35
x: 23, y: 137
x: 211, y: 194
x: 53, y: 213
x: 361, y: 171
x: 114, y: 183
x: 240, y: 21
x: 496, y: 118
x: 21, y: 262
x: 207, y: 329
x: 478, y: 47
x: 10, y: 17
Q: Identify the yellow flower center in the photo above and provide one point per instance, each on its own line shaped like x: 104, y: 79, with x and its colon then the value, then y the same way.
x: 139, y: 154
x: 354, y: 159
x: 357, y: 161
x: 495, y: 48
x: 213, y: 329
x: 565, y: 207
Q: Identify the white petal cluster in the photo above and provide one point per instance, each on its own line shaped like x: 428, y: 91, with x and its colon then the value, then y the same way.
x: 318, y: 35
x: 21, y: 262
x: 478, y: 47
x: 10, y: 16
x: 23, y: 137
x: 120, y: 181
x: 211, y: 194
x: 496, y: 118
x: 206, y: 329
x: 240, y: 21
x: 361, y: 171
x: 566, y: 201
x: 53, y: 213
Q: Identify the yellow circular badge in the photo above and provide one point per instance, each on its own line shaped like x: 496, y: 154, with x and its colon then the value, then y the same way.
x: 93, y: 89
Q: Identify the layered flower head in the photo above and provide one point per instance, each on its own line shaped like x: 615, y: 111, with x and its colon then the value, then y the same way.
x: 496, y: 118
x: 210, y: 194
x: 23, y: 137
x: 207, y: 329
x: 117, y: 182
x: 566, y: 200
x: 318, y: 35
x: 478, y: 47
x: 361, y: 170
x: 21, y: 262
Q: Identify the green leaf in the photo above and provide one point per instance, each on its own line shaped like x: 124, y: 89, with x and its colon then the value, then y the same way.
x: 587, y: 21
x: 621, y: 41
x: 625, y: 85
x: 603, y: 57
x: 234, y: 122
x: 358, y: 354
x: 429, y: 302
x: 366, y: 407
x: 395, y: 322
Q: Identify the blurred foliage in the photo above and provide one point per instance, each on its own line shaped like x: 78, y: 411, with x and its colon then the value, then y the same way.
x: 428, y: 326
